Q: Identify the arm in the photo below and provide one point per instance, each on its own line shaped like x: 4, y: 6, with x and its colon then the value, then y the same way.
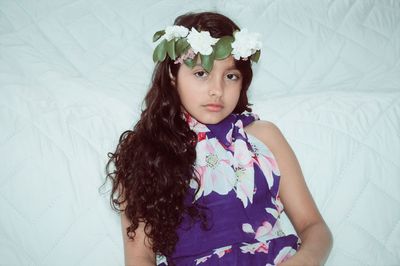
x: 298, y: 203
x: 137, y: 252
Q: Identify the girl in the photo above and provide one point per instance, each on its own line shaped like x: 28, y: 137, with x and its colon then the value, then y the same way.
x: 200, y: 180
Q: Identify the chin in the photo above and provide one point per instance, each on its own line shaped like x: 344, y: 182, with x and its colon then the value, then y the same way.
x: 212, y: 119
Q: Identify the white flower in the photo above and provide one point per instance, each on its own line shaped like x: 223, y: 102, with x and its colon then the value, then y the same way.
x: 255, y: 247
x: 244, y: 172
x: 220, y: 252
x: 245, y: 44
x: 213, y: 168
x: 202, y: 259
x: 175, y: 31
x: 201, y: 41
x: 263, y: 233
x: 247, y: 228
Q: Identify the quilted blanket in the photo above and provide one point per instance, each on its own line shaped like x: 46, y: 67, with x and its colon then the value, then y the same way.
x: 73, y: 74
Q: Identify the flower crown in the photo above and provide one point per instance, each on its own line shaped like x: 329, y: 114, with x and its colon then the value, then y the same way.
x: 183, y: 45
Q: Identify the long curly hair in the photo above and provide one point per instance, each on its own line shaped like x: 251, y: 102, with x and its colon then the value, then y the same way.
x: 154, y: 162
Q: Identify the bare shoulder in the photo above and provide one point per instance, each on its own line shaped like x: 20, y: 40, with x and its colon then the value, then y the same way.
x: 268, y: 133
x: 273, y: 138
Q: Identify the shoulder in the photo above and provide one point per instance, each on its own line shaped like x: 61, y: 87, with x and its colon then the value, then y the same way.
x: 269, y: 134
x: 260, y: 125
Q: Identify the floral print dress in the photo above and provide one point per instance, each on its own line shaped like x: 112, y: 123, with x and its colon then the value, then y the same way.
x: 239, y: 185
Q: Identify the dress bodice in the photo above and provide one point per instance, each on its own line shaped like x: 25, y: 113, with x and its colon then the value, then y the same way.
x: 239, y: 186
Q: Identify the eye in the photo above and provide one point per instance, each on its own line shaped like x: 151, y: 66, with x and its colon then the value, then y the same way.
x: 232, y: 76
x: 201, y: 74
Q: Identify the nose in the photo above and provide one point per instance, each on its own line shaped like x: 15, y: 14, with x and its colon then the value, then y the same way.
x: 216, y: 87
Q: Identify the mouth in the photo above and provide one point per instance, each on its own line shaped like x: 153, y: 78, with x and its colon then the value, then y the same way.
x: 214, y: 107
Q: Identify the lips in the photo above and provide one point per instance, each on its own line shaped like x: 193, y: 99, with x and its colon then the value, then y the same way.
x: 214, y: 107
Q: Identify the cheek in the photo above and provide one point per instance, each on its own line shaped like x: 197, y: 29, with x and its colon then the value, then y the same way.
x: 189, y: 90
x: 234, y: 97
x: 186, y: 95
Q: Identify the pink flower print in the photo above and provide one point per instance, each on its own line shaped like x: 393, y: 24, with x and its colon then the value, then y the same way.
x: 202, y: 259
x: 266, y: 161
x: 242, y: 155
x: 255, y: 247
x: 268, y: 166
x: 194, y: 125
x: 213, y: 168
x: 198, y: 127
x: 263, y: 247
x: 284, y: 254
x: 273, y: 164
x: 244, y: 172
x: 273, y: 212
x: 278, y: 204
x: 239, y: 124
x: 275, y: 232
x: 263, y: 232
x: 229, y: 135
x: 220, y: 252
x: 201, y: 136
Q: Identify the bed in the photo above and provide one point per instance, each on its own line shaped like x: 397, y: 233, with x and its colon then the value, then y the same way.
x: 73, y: 75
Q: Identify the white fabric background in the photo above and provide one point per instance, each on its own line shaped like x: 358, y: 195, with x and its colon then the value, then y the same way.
x: 73, y: 75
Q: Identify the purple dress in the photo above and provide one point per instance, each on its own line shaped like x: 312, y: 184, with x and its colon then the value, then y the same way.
x: 239, y: 184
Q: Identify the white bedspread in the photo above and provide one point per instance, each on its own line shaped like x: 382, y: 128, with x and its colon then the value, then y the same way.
x: 73, y: 75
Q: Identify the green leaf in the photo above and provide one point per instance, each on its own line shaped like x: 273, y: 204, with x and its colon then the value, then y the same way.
x: 181, y: 46
x: 191, y: 62
x: 223, y: 47
x: 160, y: 52
x: 171, y: 49
x: 158, y: 35
x: 254, y: 57
x: 207, y: 61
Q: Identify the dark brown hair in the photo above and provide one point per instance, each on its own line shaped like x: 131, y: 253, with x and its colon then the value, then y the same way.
x: 154, y: 162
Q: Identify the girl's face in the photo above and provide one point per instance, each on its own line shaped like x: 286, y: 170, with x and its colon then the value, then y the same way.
x: 210, y: 97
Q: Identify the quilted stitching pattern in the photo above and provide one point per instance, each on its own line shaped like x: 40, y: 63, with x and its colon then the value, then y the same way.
x: 73, y: 74
x: 346, y: 144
